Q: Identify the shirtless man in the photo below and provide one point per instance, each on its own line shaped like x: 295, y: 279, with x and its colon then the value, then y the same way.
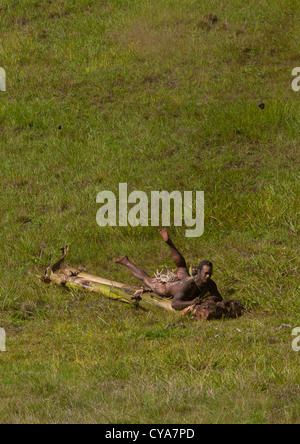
x: 186, y: 290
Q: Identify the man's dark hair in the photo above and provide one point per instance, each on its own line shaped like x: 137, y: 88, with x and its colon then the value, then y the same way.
x: 201, y: 265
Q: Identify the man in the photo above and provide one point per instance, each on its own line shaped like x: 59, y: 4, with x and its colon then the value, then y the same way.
x: 186, y: 290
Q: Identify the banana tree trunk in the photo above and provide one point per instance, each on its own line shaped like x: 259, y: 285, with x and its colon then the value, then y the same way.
x: 70, y: 277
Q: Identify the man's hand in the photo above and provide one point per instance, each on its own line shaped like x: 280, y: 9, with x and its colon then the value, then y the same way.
x: 193, y: 303
x: 196, y: 301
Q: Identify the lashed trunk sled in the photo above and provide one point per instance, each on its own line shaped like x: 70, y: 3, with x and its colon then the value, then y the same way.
x: 71, y: 277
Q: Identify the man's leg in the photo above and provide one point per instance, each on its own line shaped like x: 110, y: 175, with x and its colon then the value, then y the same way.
x: 182, y: 270
x: 139, y: 273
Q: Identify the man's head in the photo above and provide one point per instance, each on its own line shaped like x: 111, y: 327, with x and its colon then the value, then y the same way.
x: 204, y: 271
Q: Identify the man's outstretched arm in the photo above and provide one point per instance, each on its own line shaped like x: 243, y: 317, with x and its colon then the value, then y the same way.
x: 184, y: 297
x: 179, y: 304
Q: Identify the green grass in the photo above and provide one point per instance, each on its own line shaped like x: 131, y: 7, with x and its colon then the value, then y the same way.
x: 160, y: 95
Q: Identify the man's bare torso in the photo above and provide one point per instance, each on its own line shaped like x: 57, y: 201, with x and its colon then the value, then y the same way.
x: 190, y: 289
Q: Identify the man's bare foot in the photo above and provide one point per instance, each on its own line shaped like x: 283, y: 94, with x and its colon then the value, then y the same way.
x: 122, y: 260
x: 164, y: 234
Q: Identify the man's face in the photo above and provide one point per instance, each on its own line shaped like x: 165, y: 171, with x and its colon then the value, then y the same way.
x: 205, y: 274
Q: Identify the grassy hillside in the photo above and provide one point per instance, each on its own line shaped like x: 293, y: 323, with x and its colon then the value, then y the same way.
x: 162, y: 95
